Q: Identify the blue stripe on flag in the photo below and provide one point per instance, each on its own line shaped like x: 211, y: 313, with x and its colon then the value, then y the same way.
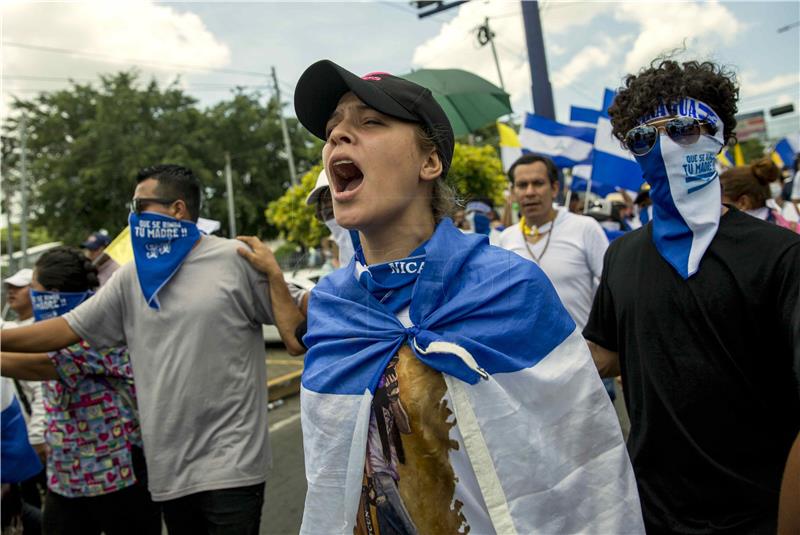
x: 552, y: 128
x: 786, y: 152
x: 579, y: 186
x: 615, y: 171
x: 17, y: 458
x: 584, y: 115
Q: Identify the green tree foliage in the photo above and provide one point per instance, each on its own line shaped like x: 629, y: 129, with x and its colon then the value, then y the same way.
x: 477, y: 172
x: 296, y: 220
x: 36, y: 236
x: 752, y: 150
x: 86, y: 144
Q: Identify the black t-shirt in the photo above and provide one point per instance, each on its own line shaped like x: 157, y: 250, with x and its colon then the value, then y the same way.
x: 707, y: 369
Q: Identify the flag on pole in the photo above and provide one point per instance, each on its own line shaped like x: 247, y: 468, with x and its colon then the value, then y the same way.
x: 565, y: 145
x: 612, y: 164
x: 786, y: 151
x: 725, y: 158
x: 584, y: 116
x: 510, y: 148
x: 738, y: 155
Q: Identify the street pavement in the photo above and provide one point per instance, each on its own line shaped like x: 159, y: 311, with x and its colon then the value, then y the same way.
x: 286, y: 484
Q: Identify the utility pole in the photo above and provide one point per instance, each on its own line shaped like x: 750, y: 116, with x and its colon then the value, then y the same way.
x: 287, y: 144
x: 229, y: 187
x: 485, y: 35
x: 540, y: 81
x: 7, y: 194
x: 23, y: 190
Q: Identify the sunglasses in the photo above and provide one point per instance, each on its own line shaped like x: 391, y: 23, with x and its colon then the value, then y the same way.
x: 682, y: 130
x: 137, y: 205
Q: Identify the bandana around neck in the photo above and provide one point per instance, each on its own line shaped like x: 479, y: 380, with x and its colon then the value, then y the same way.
x: 160, y: 245
x: 685, y: 188
x: 48, y: 305
x: 391, y: 283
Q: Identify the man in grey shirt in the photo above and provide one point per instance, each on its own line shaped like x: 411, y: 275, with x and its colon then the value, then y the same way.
x: 198, y: 363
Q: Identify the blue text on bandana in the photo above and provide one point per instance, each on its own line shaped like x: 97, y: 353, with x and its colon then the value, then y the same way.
x: 160, y: 245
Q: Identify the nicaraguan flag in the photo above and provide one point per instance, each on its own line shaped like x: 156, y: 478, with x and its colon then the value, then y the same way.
x: 581, y: 178
x: 612, y: 164
x: 787, y: 149
x: 565, y: 145
x: 584, y: 116
x: 18, y: 461
x: 540, y: 446
x: 510, y: 147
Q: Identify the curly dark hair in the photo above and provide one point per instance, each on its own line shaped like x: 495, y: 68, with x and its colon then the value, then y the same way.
x: 66, y: 269
x: 666, y: 80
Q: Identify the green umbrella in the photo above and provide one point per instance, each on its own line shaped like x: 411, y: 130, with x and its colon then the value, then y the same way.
x: 469, y: 101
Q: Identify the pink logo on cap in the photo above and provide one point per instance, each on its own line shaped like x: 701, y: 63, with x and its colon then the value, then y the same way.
x: 374, y: 76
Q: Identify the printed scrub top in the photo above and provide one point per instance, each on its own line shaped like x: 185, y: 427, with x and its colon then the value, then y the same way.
x: 91, y: 422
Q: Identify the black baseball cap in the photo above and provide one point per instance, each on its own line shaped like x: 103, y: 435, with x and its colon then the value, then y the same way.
x: 324, y: 83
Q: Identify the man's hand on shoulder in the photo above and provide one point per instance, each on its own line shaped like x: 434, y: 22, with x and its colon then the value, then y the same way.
x: 260, y: 256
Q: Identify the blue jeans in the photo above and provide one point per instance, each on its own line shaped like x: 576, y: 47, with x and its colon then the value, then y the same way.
x: 235, y: 511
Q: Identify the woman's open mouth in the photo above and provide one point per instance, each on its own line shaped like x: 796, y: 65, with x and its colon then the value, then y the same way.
x: 346, y: 179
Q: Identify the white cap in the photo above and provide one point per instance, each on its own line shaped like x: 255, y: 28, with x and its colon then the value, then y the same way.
x: 21, y: 278
x: 322, y: 183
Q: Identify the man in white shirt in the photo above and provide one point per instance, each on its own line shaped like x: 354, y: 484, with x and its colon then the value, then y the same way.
x: 568, y: 247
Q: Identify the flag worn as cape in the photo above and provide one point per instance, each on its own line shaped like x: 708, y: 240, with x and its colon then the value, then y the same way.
x: 538, y: 427
x: 18, y: 461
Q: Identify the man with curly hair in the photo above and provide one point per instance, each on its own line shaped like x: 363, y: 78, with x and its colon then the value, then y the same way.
x: 696, y: 311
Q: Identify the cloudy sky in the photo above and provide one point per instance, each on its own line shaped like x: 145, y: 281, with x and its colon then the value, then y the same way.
x: 213, y: 47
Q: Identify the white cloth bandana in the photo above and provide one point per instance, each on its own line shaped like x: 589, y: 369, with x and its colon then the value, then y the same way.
x: 343, y: 240
x: 685, y: 188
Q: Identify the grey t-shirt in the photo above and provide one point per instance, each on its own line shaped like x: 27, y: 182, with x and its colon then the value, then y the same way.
x: 199, y: 367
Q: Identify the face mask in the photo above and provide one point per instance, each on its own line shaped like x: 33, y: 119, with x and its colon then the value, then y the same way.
x: 160, y: 245
x: 343, y: 240
x: 775, y: 189
x: 685, y: 192
x: 48, y: 305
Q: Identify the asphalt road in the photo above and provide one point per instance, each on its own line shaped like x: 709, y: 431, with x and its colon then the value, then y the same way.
x: 286, y: 484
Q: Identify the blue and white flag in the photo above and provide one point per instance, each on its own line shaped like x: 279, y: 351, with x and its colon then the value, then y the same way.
x: 584, y: 116
x: 160, y: 245
x: 787, y: 149
x: 48, y: 305
x: 18, y: 461
x: 612, y: 164
x: 540, y: 436
x: 565, y: 145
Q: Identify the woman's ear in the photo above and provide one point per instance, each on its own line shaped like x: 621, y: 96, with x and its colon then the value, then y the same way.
x: 431, y: 167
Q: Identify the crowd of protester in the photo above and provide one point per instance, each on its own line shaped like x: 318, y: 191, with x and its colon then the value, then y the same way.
x: 453, y: 353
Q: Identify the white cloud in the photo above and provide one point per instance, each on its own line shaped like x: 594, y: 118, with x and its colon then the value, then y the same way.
x: 751, y: 87
x: 455, y: 46
x: 666, y: 26
x: 584, y: 61
x: 157, y: 35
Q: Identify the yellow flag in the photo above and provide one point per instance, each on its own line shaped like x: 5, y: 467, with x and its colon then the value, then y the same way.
x: 724, y: 159
x: 508, y: 138
x: 777, y: 160
x: 121, y: 249
x: 738, y: 156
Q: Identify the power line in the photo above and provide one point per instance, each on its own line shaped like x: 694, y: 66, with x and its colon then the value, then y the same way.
x: 117, y: 59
